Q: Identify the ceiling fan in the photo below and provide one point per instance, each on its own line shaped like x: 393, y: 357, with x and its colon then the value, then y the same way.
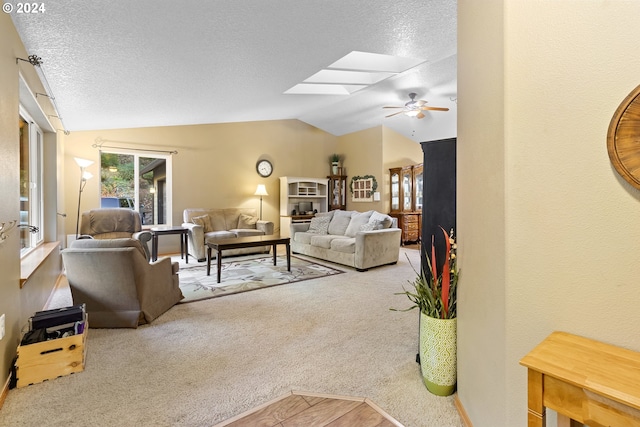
x: 415, y: 108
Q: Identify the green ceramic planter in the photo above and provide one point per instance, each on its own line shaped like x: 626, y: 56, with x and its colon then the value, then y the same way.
x: 438, y: 354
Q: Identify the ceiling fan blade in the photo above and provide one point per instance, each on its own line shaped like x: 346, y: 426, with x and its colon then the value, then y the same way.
x: 391, y: 115
x: 420, y: 115
x: 392, y: 107
x: 434, y: 108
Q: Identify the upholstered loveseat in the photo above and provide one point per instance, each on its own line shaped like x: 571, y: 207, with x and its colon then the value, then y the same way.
x: 218, y: 224
x: 357, y: 239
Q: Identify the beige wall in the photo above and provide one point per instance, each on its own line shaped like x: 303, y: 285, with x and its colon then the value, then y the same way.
x: 15, y: 303
x: 372, y: 152
x: 549, y: 234
x: 215, y: 165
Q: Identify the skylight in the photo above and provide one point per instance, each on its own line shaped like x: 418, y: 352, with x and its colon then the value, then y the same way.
x: 352, y: 72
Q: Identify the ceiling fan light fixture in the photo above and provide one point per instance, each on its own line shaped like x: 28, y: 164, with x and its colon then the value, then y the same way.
x: 412, y: 113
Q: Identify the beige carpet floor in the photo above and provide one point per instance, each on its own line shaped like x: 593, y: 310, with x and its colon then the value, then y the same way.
x: 204, y: 362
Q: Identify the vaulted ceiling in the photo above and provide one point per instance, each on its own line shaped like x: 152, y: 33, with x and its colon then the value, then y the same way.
x: 139, y: 63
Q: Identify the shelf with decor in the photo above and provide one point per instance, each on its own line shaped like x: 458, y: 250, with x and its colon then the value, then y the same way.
x: 406, y: 187
x: 300, y: 198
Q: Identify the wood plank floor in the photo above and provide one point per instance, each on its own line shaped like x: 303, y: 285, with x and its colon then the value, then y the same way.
x: 300, y: 409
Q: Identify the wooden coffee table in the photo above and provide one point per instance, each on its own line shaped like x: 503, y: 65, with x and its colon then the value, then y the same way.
x: 247, y: 242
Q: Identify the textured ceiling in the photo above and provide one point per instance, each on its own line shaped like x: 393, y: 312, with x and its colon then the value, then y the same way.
x: 138, y: 63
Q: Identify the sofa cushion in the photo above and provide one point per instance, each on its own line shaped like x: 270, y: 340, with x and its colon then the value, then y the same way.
x: 204, y: 221
x: 247, y: 221
x: 339, y: 222
x: 321, y: 241
x: 246, y: 232
x: 344, y: 245
x: 357, y: 219
x: 217, y: 221
x: 218, y: 235
x: 303, y: 237
x: 319, y: 224
x: 385, y: 219
x: 371, y: 225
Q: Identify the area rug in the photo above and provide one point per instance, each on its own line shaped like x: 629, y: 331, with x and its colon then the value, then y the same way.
x: 242, y: 275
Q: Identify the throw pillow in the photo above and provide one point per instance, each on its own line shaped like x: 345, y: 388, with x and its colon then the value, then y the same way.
x: 247, y: 221
x: 373, y: 224
x: 319, y: 224
x: 339, y: 222
x: 386, y: 220
x: 204, y: 221
x: 357, y: 219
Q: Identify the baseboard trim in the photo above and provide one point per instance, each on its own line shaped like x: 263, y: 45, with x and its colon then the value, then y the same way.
x: 463, y: 414
x: 56, y: 286
x: 5, y: 391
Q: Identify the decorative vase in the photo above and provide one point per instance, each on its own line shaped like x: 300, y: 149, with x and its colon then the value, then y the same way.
x: 438, y: 354
x: 334, y: 168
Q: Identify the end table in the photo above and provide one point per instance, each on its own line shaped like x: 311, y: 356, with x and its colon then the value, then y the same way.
x: 166, y: 230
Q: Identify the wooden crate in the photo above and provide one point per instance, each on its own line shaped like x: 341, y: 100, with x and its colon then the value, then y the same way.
x: 51, y: 359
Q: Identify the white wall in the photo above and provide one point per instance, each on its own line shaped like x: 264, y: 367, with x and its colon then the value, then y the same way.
x: 549, y: 238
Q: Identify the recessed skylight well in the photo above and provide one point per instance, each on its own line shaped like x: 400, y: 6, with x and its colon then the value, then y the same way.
x: 323, y: 89
x: 347, y: 77
x: 375, y: 62
x: 353, y: 72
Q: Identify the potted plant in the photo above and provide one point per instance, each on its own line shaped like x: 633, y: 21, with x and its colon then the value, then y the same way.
x: 435, y: 295
x: 335, y: 162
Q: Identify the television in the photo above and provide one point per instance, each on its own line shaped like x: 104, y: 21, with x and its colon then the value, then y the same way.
x: 304, y: 207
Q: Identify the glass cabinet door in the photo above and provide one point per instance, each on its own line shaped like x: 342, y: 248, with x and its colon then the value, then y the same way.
x: 407, y: 190
x: 395, y: 189
x: 417, y: 187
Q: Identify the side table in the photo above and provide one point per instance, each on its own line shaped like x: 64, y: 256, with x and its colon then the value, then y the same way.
x: 166, y: 230
x: 584, y: 381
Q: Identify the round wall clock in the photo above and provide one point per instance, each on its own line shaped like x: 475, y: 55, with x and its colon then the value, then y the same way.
x: 623, y: 139
x: 264, y: 168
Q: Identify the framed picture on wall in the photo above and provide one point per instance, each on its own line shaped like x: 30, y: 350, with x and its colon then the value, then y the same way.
x: 362, y: 188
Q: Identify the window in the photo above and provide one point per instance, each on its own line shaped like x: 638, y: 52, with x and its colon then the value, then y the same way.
x: 139, y: 182
x: 31, y: 197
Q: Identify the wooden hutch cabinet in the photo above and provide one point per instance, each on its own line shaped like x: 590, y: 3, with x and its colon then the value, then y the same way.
x: 406, y: 200
x: 337, y: 192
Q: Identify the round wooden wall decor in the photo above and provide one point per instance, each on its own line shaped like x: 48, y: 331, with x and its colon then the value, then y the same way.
x: 623, y: 139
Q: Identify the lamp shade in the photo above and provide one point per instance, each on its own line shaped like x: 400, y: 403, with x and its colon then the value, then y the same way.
x: 83, y: 163
x: 261, y: 191
x: 87, y: 175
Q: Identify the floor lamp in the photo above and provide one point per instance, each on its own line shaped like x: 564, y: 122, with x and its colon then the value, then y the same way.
x: 84, y: 176
x: 261, y: 191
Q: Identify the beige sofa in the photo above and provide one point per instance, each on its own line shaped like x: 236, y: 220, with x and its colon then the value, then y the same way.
x: 217, y: 224
x: 358, y: 239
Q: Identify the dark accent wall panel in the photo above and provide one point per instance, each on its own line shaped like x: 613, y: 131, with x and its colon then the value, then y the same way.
x: 439, y: 208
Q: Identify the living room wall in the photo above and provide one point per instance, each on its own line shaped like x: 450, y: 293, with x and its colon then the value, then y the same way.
x: 548, y: 232
x: 16, y: 303
x: 372, y: 152
x: 215, y: 165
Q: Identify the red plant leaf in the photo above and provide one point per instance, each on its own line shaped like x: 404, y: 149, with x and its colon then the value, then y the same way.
x: 446, y: 275
x: 434, y: 267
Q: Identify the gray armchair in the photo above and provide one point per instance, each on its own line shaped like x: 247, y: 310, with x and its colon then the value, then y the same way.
x: 120, y: 288
x: 114, y: 223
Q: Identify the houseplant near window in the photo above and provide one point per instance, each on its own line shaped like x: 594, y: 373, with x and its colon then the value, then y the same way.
x: 435, y: 295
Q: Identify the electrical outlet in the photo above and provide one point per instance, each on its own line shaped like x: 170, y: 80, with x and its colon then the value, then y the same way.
x: 1, y: 326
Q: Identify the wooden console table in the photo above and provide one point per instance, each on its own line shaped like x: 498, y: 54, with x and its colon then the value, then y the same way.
x: 585, y: 381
